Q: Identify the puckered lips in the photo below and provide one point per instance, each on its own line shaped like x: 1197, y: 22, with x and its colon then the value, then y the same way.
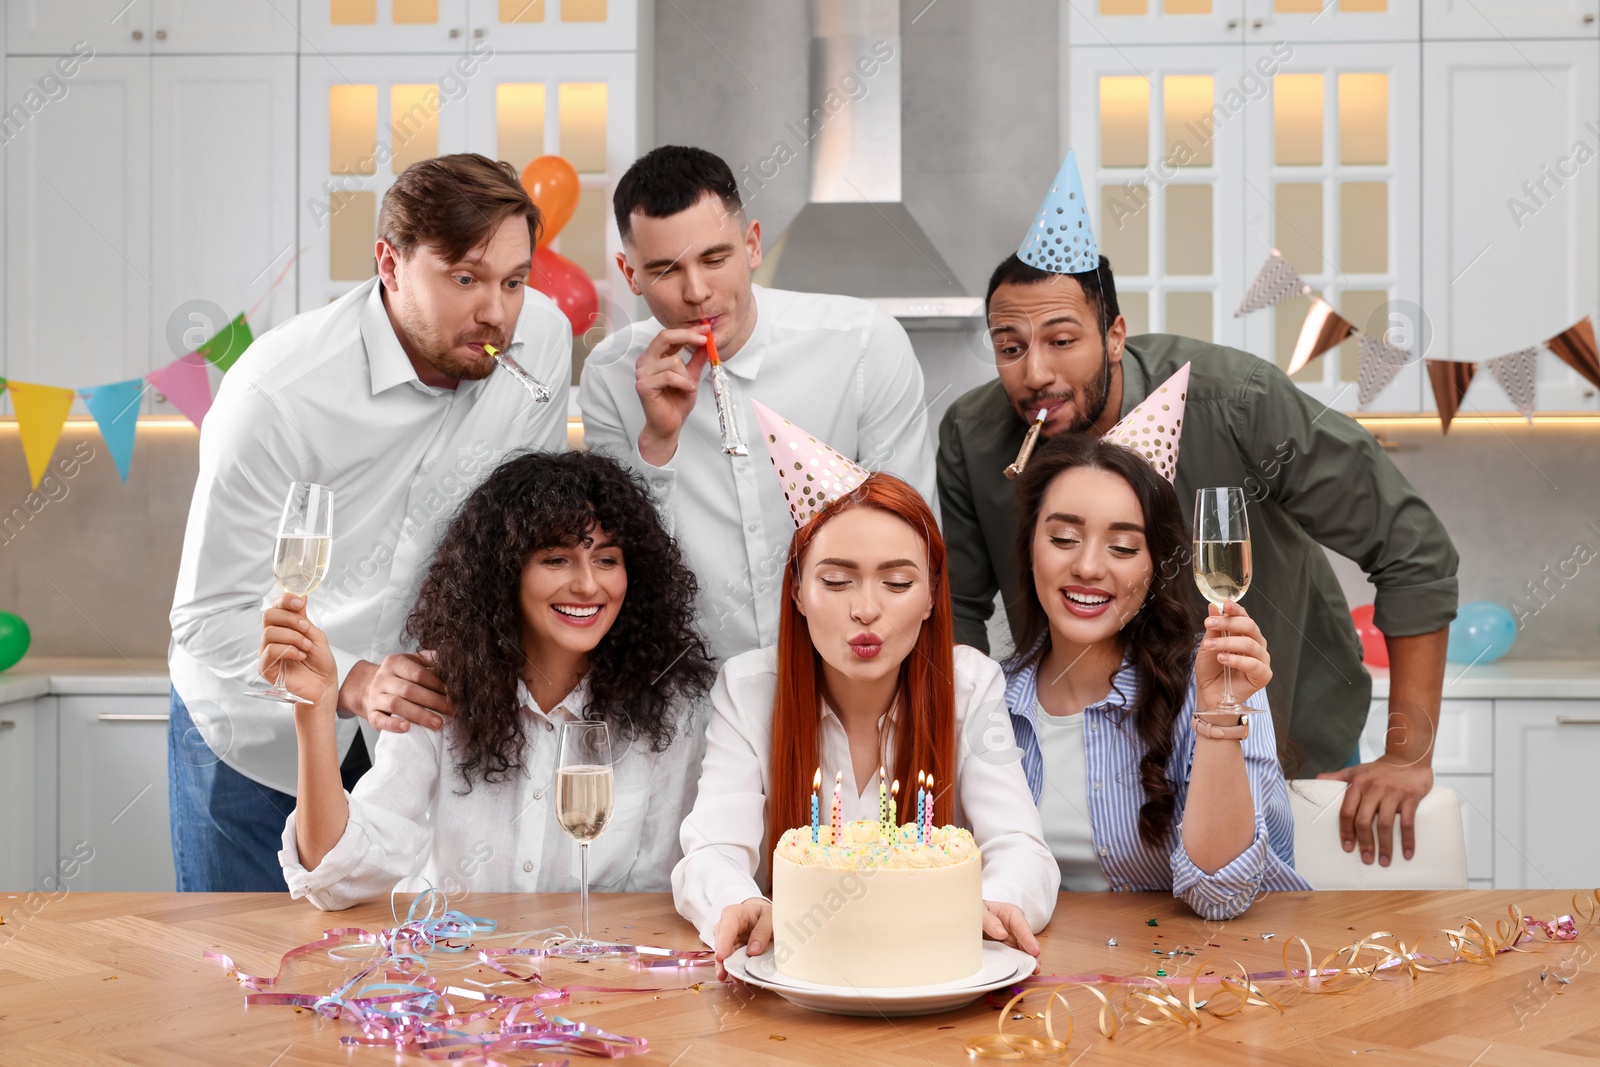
x: 867, y: 645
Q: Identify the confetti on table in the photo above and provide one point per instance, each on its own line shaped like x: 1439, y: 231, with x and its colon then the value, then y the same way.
x: 1151, y: 922
x: 1160, y: 973
x: 776, y: 1037
x: 1267, y: 937
x: 1111, y: 943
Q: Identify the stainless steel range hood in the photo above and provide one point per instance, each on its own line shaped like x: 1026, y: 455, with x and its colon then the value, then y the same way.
x: 855, y: 236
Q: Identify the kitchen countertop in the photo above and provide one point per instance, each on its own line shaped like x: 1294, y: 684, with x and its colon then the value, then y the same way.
x: 38, y: 676
x: 1530, y: 679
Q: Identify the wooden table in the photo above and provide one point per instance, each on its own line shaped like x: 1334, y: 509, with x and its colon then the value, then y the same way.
x: 119, y: 978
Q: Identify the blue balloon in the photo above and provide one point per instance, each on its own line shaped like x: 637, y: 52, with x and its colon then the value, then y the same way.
x: 1482, y: 632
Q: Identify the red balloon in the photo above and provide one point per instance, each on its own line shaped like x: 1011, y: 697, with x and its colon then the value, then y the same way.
x: 1374, y: 652
x: 564, y: 281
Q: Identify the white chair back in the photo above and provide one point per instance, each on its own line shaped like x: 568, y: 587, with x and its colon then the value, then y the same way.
x: 1440, y: 860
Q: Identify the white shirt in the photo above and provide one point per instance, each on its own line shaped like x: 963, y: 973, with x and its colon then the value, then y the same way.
x: 331, y: 397
x: 837, y: 367
x: 411, y: 815
x: 725, y: 851
x: 1063, y: 807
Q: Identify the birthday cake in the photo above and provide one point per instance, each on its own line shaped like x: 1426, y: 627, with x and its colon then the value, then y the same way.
x: 876, y: 909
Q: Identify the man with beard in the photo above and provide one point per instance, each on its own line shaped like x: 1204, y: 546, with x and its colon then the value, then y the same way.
x: 1314, y: 478
x: 389, y: 397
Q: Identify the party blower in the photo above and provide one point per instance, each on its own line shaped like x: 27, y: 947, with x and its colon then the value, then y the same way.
x: 723, y: 393
x: 540, y: 391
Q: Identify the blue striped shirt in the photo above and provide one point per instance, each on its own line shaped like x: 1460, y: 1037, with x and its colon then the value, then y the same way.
x: 1115, y: 794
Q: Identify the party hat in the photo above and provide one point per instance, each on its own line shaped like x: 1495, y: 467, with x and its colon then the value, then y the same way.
x: 1152, y: 429
x: 1061, y: 240
x: 812, y: 474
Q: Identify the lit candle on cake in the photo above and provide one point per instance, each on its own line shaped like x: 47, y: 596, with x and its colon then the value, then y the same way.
x: 816, y: 785
x: 838, y: 806
x: 927, y: 812
x: 917, y: 811
x: 891, y: 820
x: 883, y: 799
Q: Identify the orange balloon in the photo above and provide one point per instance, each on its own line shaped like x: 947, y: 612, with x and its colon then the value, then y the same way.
x: 552, y: 185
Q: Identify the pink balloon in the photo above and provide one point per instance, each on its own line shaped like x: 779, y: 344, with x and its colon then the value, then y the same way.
x: 564, y: 281
x: 1374, y: 652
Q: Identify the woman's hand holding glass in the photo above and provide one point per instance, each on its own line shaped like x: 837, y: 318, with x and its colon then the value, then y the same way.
x: 292, y: 644
x: 1233, y: 642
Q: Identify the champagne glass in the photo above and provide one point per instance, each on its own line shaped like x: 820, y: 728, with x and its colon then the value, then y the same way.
x: 584, y: 795
x: 300, y: 562
x: 1222, y: 562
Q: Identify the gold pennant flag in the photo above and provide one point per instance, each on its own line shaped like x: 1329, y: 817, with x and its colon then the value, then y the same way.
x: 1450, y: 380
x: 1575, y: 345
x: 41, y: 413
x: 1323, y: 328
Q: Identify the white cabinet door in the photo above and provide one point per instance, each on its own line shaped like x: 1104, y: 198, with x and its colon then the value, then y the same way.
x: 78, y: 226
x: 1331, y: 20
x: 1465, y: 744
x: 1093, y: 23
x: 556, y: 25
x: 331, y: 27
x: 1545, y: 755
x: 233, y: 26
x: 54, y: 27
x: 363, y: 120
x: 210, y: 264
x: 1509, y: 225
x: 1160, y: 139
x: 1502, y: 19
x: 114, y: 791
x: 1477, y: 821
x: 1333, y: 183
x: 20, y: 827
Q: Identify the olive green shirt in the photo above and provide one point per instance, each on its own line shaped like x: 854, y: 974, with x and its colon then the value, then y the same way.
x: 1312, y: 475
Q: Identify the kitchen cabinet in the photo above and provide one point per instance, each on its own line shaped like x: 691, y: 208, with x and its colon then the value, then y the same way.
x: 27, y: 793
x: 1545, y: 755
x: 151, y: 27
x: 1320, y: 21
x: 1502, y: 20
x: 113, y: 790
x: 1098, y: 23
x: 1509, y: 138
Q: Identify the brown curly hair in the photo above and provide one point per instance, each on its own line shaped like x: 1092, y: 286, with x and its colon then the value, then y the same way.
x: 648, y: 667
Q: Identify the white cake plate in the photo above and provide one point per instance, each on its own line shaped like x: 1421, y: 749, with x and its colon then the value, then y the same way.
x: 1001, y: 966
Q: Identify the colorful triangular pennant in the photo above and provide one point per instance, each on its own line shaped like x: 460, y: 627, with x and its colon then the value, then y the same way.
x: 41, y: 412
x: 1380, y: 362
x: 1276, y: 282
x: 115, y: 407
x: 1323, y: 328
x: 1575, y: 345
x: 1517, y: 373
x: 187, y: 384
x: 1450, y: 380
x: 228, y: 345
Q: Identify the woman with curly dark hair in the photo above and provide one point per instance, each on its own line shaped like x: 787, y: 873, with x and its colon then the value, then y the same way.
x: 1137, y: 790
x: 556, y: 594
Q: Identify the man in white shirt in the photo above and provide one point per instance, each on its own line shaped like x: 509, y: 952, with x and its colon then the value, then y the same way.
x: 388, y: 397
x: 840, y: 367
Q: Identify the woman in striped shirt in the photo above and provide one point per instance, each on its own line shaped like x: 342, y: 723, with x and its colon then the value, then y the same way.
x: 1136, y: 789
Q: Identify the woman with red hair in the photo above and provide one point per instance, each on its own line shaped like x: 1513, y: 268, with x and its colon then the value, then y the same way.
x: 864, y: 676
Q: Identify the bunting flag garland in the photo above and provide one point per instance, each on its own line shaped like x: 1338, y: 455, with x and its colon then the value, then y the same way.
x: 116, y: 408
x: 41, y: 413
x: 1575, y: 345
x: 1277, y: 282
x: 1380, y: 362
x: 1323, y: 328
x: 185, y: 383
x: 1515, y: 373
x: 1450, y: 379
x: 42, y: 410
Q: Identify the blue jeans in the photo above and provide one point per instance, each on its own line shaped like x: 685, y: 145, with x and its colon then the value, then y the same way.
x: 226, y: 829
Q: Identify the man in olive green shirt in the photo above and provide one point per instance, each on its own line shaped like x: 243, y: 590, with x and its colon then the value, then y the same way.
x: 1312, y: 475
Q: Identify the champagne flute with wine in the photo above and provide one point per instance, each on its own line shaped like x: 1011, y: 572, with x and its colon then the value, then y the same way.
x: 300, y: 562
x: 584, y: 796
x: 1222, y: 563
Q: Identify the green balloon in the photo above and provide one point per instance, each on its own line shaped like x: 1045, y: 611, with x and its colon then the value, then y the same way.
x: 14, y: 638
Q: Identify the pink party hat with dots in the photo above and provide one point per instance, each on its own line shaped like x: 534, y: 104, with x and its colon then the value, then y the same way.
x: 1152, y: 429
x: 812, y: 474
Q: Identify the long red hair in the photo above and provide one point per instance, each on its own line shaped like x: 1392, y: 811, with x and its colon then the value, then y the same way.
x: 925, y: 710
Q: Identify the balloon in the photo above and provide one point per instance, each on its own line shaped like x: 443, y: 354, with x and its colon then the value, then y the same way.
x: 14, y: 638
x: 552, y: 185
x: 1374, y: 650
x: 564, y: 281
x: 1482, y: 632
